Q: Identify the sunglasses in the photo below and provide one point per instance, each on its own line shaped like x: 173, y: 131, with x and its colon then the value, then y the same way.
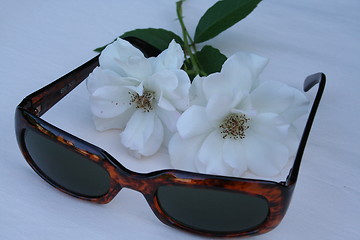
x: 205, y: 204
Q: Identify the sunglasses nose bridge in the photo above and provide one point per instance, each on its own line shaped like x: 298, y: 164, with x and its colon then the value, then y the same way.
x: 136, y: 181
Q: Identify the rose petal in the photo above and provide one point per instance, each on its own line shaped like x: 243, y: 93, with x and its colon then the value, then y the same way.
x: 139, y: 89
x: 197, y: 96
x: 136, y: 66
x: 167, y: 136
x: 244, y: 106
x: 218, y: 84
x: 118, y: 50
x: 218, y: 107
x: 234, y: 154
x: 270, y: 125
x: 139, y: 130
x: 211, y: 155
x: 298, y: 107
x: 109, y: 101
x: 117, y: 122
x: 169, y: 118
x: 171, y: 58
x: 163, y: 84
x: 194, y: 122
x: 272, y: 96
x: 265, y: 157
x: 244, y: 69
x: 170, y: 86
x: 292, y: 141
x: 126, y: 60
x: 165, y: 80
x: 100, y: 77
x: 155, y: 140
x: 165, y: 103
x: 184, y: 152
x: 180, y: 96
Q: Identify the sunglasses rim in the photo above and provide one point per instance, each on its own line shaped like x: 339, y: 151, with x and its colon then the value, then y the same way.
x: 39, y: 102
x: 277, y: 194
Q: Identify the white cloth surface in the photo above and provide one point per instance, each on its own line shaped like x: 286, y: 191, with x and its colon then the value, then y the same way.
x: 42, y: 40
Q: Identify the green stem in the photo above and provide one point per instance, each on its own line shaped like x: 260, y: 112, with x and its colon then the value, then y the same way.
x: 187, y: 38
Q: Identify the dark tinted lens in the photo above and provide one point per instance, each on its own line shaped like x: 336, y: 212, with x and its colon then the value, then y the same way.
x: 212, y: 210
x: 67, y: 169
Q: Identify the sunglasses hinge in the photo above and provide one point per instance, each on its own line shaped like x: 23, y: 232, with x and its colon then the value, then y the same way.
x: 27, y: 105
x: 37, y: 110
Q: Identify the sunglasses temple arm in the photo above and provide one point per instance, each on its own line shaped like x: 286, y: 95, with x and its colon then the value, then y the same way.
x: 43, y: 99
x: 310, y: 81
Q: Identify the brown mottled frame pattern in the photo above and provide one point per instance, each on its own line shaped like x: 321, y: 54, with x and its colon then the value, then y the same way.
x: 278, y: 194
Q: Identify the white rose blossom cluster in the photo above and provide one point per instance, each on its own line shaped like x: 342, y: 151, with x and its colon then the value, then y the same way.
x: 142, y: 96
x: 225, y: 123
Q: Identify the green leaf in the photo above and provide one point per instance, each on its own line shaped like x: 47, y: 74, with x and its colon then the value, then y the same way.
x: 221, y: 16
x: 157, y: 37
x: 189, y: 69
x: 210, y: 59
x: 100, y: 49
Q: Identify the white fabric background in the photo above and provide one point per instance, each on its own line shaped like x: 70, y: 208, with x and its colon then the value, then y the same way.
x: 42, y: 40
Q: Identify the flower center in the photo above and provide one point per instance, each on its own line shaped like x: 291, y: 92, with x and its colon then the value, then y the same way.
x: 234, y: 126
x: 144, y: 101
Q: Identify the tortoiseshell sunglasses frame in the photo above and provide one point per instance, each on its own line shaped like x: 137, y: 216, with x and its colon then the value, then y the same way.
x: 277, y: 194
